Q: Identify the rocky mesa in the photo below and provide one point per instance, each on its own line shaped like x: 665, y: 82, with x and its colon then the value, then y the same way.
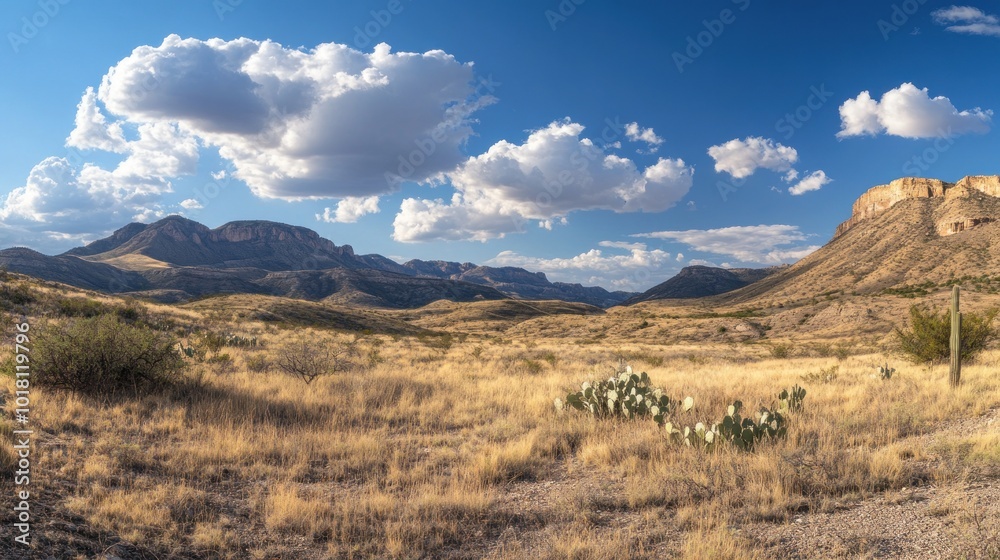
x: 880, y: 198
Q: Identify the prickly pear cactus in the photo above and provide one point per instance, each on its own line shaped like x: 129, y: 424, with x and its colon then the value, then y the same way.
x: 628, y: 395
x: 885, y: 372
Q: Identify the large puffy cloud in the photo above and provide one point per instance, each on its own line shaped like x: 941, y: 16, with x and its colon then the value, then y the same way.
x: 625, y: 266
x: 59, y: 200
x: 553, y: 173
x: 763, y: 244
x: 741, y: 158
x: 967, y: 19
x: 909, y: 112
x: 330, y: 122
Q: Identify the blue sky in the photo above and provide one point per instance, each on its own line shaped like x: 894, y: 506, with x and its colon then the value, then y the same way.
x: 601, y: 143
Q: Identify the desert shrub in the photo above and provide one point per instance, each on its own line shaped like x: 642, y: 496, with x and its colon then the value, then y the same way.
x: 825, y: 375
x: 477, y: 352
x: 308, y: 360
x: 105, y: 356
x: 374, y: 356
x: 257, y: 363
x: 927, y: 339
x: 780, y: 351
x: 15, y: 294
x: 130, y: 313
x: 532, y: 367
x: 81, y: 307
x: 222, y: 362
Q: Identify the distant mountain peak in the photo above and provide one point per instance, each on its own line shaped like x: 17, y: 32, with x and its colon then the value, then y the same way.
x: 696, y: 281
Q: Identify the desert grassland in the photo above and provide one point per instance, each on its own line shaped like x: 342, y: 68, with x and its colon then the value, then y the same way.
x: 437, y: 448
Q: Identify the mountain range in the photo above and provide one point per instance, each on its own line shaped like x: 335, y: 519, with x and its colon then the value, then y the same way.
x: 178, y: 259
x: 902, y: 235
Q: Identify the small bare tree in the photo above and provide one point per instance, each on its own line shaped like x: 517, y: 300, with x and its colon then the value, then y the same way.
x: 309, y: 360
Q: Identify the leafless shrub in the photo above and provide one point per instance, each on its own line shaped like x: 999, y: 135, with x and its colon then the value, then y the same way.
x: 309, y: 360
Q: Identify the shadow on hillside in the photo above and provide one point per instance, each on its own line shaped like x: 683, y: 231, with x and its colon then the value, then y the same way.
x: 207, y: 403
x: 211, y: 404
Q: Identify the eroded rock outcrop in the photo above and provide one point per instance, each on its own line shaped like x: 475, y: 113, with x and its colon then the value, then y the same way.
x: 880, y: 198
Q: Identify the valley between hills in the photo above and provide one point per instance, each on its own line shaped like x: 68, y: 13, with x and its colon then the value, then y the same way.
x: 436, y: 434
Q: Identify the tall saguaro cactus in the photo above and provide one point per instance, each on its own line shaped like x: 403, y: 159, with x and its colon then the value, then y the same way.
x: 956, y: 340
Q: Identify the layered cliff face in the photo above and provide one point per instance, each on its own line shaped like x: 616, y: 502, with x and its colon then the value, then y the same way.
x: 883, y: 197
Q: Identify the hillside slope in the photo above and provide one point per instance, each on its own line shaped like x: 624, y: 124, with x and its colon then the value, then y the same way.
x: 915, y: 240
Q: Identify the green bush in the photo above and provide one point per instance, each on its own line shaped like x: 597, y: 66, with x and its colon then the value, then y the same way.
x: 12, y: 295
x: 81, y: 307
x: 928, y: 337
x: 257, y: 363
x: 105, y: 356
x: 780, y: 351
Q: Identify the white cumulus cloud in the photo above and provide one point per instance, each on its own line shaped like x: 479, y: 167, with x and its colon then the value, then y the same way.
x: 636, y: 133
x: 554, y: 172
x: 812, y: 182
x: 761, y: 244
x: 349, y: 210
x: 741, y: 158
x: 910, y: 112
x: 63, y: 198
x: 59, y: 200
x: 629, y: 266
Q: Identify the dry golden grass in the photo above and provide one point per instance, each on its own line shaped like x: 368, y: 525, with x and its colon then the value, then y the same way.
x: 455, y: 449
